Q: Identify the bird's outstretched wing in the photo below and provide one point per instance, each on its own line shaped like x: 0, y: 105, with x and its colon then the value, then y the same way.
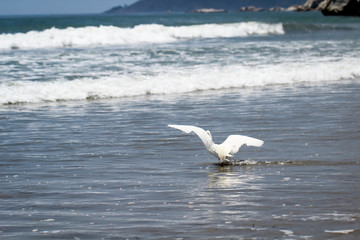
x: 234, y: 142
x: 203, y: 135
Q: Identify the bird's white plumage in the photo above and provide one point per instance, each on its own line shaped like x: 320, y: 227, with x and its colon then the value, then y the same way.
x: 203, y: 135
x: 234, y: 142
x: 222, y: 151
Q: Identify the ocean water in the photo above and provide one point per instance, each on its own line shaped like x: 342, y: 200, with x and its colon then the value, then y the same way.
x: 85, y: 151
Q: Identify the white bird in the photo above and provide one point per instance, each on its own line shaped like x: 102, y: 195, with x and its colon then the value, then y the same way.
x: 222, y: 151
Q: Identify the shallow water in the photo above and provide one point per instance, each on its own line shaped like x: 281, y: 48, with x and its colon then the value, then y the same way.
x: 110, y: 169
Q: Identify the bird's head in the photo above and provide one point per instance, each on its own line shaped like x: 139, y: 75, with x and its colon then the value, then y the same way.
x: 209, y: 133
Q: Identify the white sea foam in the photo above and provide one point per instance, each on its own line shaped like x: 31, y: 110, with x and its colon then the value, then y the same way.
x: 347, y: 231
x: 343, y: 217
x: 145, y: 33
x: 288, y: 232
x: 172, y: 81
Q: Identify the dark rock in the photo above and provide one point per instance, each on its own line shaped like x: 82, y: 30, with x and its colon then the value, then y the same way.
x: 298, y: 8
x: 341, y: 7
x: 277, y: 9
x: 251, y: 9
x: 313, y: 4
x: 209, y: 10
x: 310, y: 5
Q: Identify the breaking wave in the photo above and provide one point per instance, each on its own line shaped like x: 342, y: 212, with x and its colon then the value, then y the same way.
x: 172, y: 81
x: 140, y: 34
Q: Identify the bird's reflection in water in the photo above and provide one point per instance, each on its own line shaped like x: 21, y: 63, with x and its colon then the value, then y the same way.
x: 232, y: 194
x: 234, y: 177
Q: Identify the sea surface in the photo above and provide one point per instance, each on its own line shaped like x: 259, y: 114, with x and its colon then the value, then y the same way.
x: 86, y: 153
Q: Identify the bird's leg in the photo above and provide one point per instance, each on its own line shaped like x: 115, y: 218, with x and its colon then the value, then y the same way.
x: 227, y: 160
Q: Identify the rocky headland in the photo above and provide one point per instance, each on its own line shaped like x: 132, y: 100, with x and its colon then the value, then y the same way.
x: 166, y: 6
x: 327, y: 7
